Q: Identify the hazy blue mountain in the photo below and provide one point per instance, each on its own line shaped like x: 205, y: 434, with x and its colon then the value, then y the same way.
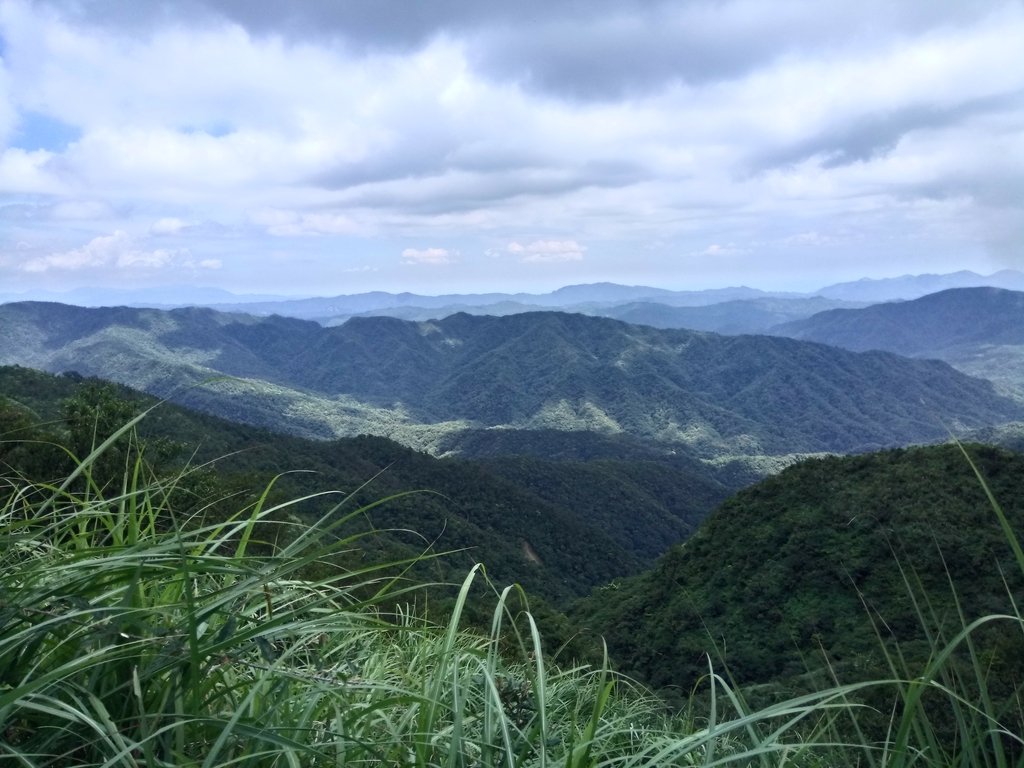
x: 166, y: 296
x: 915, y: 286
x: 732, y: 317
x: 924, y: 326
x: 611, y: 293
x: 594, y: 298
x: 589, y: 298
x: 728, y: 317
x: 425, y: 384
x: 326, y: 308
x: 978, y: 330
x: 422, y: 314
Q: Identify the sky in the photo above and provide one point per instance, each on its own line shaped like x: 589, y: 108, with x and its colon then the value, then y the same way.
x: 321, y: 147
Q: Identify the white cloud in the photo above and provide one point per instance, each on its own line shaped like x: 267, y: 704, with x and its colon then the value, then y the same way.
x: 718, y: 249
x: 548, y: 251
x: 118, y: 250
x: 99, y: 251
x: 23, y: 172
x: 168, y: 226
x: 428, y: 256
x: 809, y: 239
x: 798, y: 118
x: 290, y: 223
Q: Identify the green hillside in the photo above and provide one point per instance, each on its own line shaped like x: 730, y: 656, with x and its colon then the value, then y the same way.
x: 138, y: 627
x: 554, y: 542
x: 640, y: 505
x: 979, y: 331
x: 809, y: 564
x: 728, y: 317
x: 923, y: 327
x: 428, y: 384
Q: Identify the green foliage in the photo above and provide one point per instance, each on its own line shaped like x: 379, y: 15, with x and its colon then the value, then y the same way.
x: 644, y: 506
x: 426, y: 383
x: 141, y: 629
x: 979, y: 331
x: 133, y: 636
x: 728, y: 317
x: 780, y: 582
x: 527, y: 519
x: 933, y: 325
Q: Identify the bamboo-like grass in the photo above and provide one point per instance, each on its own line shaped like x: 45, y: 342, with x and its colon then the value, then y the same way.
x: 130, y: 636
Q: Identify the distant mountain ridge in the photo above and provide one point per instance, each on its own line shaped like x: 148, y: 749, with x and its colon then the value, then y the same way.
x: 572, y: 297
x: 924, y: 326
x: 977, y: 330
x: 733, y: 317
x: 914, y: 286
x: 721, y: 310
x: 426, y: 383
x: 867, y: 290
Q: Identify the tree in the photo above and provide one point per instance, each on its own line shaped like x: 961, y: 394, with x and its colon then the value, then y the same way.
x: 93, y: 414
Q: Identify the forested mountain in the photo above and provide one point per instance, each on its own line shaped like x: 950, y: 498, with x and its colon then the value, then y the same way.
x: 754, y: 315
x: 427, y: 383
x: 728, y: 317
x: 978, y: 330
x: 809, y: 564
x: 557, y: 527
x: 928, y: 326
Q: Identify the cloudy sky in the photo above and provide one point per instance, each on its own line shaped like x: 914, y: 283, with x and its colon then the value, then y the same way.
x: 337, y: 146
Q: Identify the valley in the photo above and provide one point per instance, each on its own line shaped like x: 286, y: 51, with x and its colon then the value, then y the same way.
x: 445, y: 384
x: 685, y: 495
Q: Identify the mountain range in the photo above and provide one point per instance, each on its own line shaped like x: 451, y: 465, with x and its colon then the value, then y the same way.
x: 554, y: 526
x: 978, y: 330
x: 598, y: 298
x: 579, y: 447
x: 430, y: 384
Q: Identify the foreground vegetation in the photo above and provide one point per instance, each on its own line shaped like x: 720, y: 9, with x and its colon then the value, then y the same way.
x: 143, y: 624
x: 486, y: 510
x: 133, y: 636
x: 786, y: 574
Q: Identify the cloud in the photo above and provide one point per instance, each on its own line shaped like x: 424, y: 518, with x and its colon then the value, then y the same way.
x: 810, y: 239
x: 290, y: 223
x: 318, y: 127
x: 99, y: 251
x: 619, y: 47
x: 717, y: 250
x: 28, y: 173
x: 118, y: 250
x: 547, y: 251
x: 168, y: 226
x: 428, y: 256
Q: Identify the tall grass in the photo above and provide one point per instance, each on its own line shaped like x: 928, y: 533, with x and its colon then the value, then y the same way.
x: 132, y: 636
x: 946, y: 713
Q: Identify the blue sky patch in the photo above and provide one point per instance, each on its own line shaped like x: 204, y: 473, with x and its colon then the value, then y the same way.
x: 216, y: 128
x: 39, y: 131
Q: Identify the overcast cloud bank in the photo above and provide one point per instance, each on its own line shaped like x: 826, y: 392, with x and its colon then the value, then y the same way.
x: 327, y: 148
